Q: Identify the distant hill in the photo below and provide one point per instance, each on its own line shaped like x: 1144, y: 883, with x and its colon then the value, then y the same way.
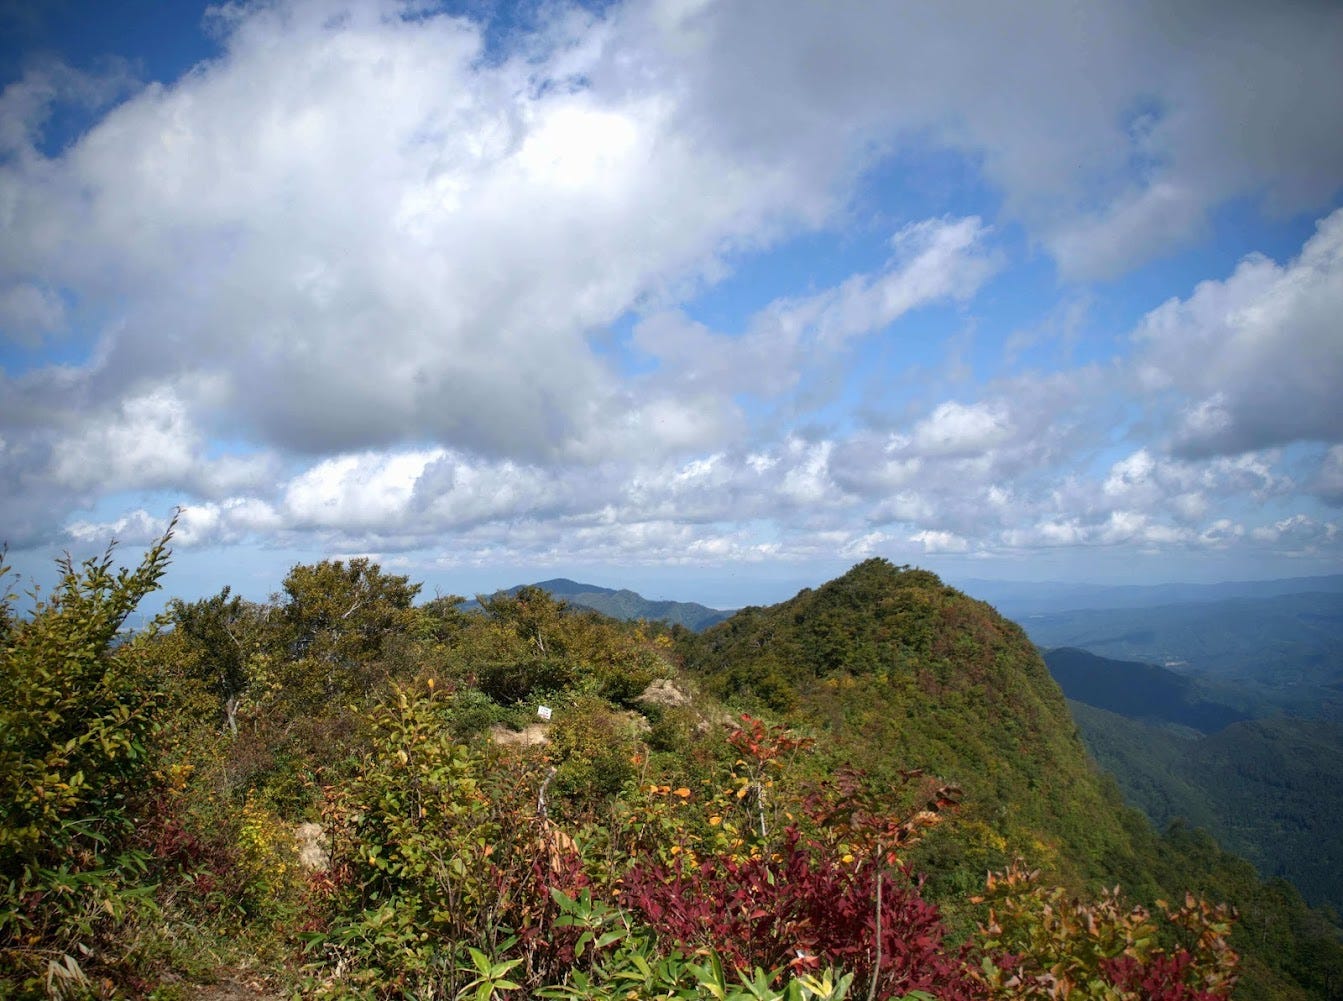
x: 1136, y: 690
x: 628, y: 606
x: 1018, y: 599
x: 1282, y: 652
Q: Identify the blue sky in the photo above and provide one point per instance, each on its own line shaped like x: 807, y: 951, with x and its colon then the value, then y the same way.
x: 711, y: 299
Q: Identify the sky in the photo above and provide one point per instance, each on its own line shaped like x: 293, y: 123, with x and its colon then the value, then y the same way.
x: 707, y: 298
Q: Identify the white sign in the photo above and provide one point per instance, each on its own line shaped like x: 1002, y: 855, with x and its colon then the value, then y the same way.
x: 543, y: 712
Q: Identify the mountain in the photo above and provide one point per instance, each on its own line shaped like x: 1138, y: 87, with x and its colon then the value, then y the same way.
x: 895, y: 670
x: 628, y: 606
x: 1283, y: 652
x: 1018, y: 599
x: 1136, y: 690
x: 1267, y: 789
x: 902, y: 671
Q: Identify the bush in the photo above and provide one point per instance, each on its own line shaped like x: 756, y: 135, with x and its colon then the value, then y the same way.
x: 1039, y: 940
x: 75, y: 763
x: 412, y: 835
x: 595, y: 747
x: 509, y: 682
x: 801, y: 909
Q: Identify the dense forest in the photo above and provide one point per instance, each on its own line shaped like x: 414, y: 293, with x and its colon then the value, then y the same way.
x: 351, y: 795
x: 1267, y: 789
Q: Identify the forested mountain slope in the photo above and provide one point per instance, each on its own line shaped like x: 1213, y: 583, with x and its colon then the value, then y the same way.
x: 899, y: 670
x: 902, y: 671
x: 1268, y: 789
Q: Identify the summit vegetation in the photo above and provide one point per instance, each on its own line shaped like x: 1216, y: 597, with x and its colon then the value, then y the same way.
x: 873, y: 790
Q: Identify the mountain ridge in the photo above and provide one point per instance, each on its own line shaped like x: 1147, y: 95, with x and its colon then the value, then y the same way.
x: 1022, y: 598
x: 626, y: 605
x: 1137, y: 690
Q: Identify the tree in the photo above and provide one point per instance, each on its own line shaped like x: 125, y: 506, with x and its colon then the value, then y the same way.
x: 220, y: 636
x: 339, y: 619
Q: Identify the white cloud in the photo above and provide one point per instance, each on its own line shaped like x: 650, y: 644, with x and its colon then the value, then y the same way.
x: 230, y: 521
x: 933, y: 261
x: 957, y: 430
x: 940, y: 542
x: 1045, y: 534
x: 149, y: 442
x: 371, y: 236
x: 136, y: 528
x: 353, y: 492
x: 1255, y: 360
x: 1299, y: 535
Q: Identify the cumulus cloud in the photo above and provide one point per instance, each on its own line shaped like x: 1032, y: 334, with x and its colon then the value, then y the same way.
x: 932, y: 261
x: 1300, y: 534
x: 971, y: 456
x: 360, y: 282
x: 150, y: 441
x: 954, y: 429
x: 372, y: 235
x: 1186, y: 488
x: 1255, y: 360
x: 1111, y: 130
x: 940, y: 542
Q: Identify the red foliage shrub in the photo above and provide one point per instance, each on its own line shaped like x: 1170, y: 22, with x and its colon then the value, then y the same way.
x: 802, y: 909
x: 177, y: 848
x: 1160, y: 978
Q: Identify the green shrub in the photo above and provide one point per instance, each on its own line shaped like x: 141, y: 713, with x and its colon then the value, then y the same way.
x: 75, y: 762
x: 412, y: 839
x: 513, y: 680
x: 595, y: 748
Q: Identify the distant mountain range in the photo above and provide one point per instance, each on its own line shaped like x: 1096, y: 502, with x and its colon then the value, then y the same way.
x: 626, y: 605
x: 1020, y: 599
x: 1278, y: 653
